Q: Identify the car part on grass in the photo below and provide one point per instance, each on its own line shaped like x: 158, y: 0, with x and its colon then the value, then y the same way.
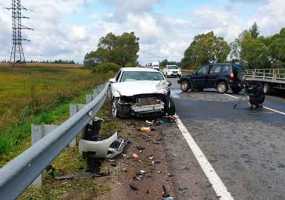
x: 108, y: 148
x: 91, y: 131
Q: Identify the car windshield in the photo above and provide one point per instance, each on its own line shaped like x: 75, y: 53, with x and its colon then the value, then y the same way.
x: 172, y: 67
x: 141, y: 76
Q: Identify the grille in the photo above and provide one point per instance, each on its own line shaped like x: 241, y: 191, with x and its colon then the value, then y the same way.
x: 148, y: 101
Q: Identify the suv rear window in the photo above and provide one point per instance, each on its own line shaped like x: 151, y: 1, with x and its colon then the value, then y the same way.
x: 227, y: 69
x: 216, y: 69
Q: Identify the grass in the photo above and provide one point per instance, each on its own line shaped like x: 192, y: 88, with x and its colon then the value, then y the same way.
x: 37, y: 95
x: 70, y: 162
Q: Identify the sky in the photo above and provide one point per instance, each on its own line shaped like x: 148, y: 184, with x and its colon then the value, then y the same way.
x: 68, y: 29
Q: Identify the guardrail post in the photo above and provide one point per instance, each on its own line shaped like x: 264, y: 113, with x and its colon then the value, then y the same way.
x: 73, y: 109
x: 38, y: 132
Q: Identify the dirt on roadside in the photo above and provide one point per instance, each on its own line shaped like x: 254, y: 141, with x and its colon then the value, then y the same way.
x: 141, y: 172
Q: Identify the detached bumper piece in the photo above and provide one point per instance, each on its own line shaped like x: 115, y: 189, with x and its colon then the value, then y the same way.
x: 108, y: 148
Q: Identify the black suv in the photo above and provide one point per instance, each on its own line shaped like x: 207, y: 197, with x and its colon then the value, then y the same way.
x: 220, y: 76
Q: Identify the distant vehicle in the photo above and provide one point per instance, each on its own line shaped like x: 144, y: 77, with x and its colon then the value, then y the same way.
x: 269, y: 78
x: 220, y: 76
x: 172, y: 71
x: 140, y: 91
x: 155, y: 65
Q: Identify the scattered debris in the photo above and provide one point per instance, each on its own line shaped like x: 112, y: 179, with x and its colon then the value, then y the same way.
x: 150, y: 123
x: 135, y: 156
x: 145, y: 129
x: 165, y: 195
x: 133, y: 187
x: 140, y: 148
x: 68, y: 177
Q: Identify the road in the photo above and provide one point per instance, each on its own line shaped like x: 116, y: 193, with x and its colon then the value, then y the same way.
x: 246, y: 148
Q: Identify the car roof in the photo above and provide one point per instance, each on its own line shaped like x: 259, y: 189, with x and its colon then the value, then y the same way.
x: 138, y: 69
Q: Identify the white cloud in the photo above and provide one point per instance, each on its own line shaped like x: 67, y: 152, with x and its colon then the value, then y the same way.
x: 270, y: 17
x: 161, y: 35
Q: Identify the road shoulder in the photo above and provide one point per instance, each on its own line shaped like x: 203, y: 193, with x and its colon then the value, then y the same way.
x: 189, y: 179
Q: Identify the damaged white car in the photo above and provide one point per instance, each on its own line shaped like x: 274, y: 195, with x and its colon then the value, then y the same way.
x: 140, y: 92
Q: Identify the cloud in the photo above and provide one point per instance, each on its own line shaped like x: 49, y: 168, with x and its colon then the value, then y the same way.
x: 58, y: 34
x: 270, y: 16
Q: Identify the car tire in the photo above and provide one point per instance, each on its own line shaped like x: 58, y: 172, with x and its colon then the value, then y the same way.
x: 185, y: 86
x: 170, y: 108
x: 115, y: 111
x: 222, y: 87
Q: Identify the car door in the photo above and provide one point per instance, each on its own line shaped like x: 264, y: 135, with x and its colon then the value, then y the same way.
x: 213, y: 75
x: 199, y: 79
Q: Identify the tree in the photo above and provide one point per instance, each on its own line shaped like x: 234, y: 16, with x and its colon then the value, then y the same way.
x: 121, y: 50
x: 254, y: 31
x: 277, y: 49
x: 204, y: 49
x: 165, y: 62
x: 254, y: 51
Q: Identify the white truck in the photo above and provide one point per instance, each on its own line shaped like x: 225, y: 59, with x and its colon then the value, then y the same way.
x: 270, y: 78
x: 172, y: 71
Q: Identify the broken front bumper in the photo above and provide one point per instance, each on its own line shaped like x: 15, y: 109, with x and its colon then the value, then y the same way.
x: 148, y: 108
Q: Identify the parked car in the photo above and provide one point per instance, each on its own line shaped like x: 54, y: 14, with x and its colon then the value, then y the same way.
x: 172, y: 71
x: 140, y: 91
x: 220, y: 76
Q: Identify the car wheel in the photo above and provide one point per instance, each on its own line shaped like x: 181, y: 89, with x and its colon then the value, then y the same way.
x: 185, y: 86
x: 222, y: 87
x: 115, y: 108
x: 170, y: 109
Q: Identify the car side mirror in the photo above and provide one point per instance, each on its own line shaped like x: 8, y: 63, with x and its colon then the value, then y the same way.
x: 169, y: 83
x: 112, y: 80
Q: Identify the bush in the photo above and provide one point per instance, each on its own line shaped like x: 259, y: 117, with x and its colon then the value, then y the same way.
x: 106, y: 67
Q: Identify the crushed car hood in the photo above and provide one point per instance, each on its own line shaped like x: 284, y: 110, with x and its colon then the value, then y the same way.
x: 140, y: 87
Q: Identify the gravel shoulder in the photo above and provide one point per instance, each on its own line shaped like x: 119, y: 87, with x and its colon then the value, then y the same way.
x: 189, y: 180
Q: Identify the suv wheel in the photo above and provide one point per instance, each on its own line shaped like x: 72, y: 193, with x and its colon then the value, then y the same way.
x: 222, y: 87
x: 185, y: 86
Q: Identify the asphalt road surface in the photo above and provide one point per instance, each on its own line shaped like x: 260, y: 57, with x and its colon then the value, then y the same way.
x: 245, y: 147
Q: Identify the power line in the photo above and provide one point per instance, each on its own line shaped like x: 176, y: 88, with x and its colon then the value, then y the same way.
x: 17, y: 52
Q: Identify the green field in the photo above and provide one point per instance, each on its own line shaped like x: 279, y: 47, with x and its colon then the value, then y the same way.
x: 30, y: 94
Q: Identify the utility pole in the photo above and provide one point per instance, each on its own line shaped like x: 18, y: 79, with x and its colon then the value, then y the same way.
x: 17, y: 52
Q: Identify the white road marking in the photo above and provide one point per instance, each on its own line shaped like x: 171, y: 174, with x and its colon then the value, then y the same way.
x: 267, y: 108
x: 207, y: 168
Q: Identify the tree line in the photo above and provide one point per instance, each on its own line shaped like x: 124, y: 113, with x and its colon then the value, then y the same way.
x: 250, y: 49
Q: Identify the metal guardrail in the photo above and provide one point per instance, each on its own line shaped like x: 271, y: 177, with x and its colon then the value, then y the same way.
x: 269, y: 75
x: 19, y: 173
